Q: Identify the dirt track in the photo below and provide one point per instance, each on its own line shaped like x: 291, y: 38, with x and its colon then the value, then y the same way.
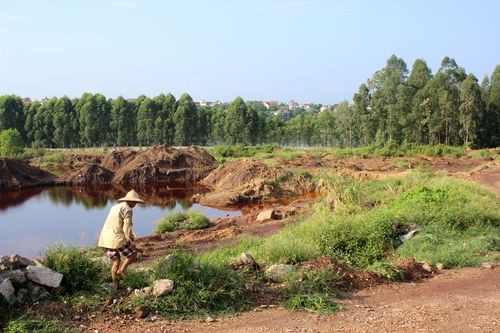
x: 459, y: 300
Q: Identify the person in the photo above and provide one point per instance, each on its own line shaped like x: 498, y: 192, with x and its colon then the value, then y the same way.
x: 117, y: 235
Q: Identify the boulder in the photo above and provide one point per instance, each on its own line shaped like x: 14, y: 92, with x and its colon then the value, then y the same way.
x: 163, y: 287
x: 15, y: 276
x: 44, y: 276
x: 247, y: 260
x: 22, y: 295
x: 269, y: 214
x: 278, y: 273
x: 7, y: 291
x: 16, y: 261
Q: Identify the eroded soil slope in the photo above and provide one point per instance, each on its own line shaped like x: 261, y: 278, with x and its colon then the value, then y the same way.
x: 15, y: 173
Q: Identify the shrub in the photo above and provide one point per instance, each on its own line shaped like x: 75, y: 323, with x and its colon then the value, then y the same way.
x: 11, y: 143
x: 79, y: 270
x: 198, y: 289
x: 343, y: 191
x: 190, y: 221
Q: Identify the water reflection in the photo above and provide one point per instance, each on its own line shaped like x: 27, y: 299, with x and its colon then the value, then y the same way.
x: 31, y: 219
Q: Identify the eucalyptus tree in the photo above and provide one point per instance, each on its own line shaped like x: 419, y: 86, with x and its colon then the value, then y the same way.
x: 346, y: 124
x: 29, y: 123
x: 470, y: 110
x: 218, y: 123
x: 146, y: 118
x: 419, y: 76
x: 492, y: 115
x: 367, y: 124
x: 184, y: 119
x: 123, y: 122
x: 63, y: 119
x: 164, y: 127
x: 94, y: 116
x: 326, y: 128
x: 236, y: 127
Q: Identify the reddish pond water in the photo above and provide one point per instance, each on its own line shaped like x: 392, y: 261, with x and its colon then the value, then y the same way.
x: 32, y: 219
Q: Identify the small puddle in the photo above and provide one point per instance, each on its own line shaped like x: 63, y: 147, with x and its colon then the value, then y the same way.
x: 32, y: 219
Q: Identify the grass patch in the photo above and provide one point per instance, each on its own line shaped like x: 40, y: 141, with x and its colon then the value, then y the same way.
x: 24, y: 324
x: 198, y: 289
x: 191, y: 221
x: 81, y: 273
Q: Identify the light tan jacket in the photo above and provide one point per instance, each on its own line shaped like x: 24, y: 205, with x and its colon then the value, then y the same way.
x: 117, y: 229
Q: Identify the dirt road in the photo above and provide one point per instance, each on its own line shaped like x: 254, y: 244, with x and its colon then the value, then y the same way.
x: 459, y: 300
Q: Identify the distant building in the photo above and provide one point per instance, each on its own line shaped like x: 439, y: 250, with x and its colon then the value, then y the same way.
x: 305, y: 106
x: 292, y: 105
x: 204, y: 103
x: 269, y: 104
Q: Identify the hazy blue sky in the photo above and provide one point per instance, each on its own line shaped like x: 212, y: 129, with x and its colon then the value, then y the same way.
x: 308, y: 50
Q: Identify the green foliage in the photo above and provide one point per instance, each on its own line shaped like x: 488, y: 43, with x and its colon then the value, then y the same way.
x: 272, y: 182
x: 190, y: 221
x: 79, y: 270
x: 241, y: 150
x: 198, y: 290
x: 11, y: 143
x: 344, y: 192
x: 315, y: 303
x: 450, y: 210
x: 26, y: 324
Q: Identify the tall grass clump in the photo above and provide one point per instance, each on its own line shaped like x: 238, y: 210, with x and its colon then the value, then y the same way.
x: 344, y: 192
x: 81, y: 273
x: 191, y: 221
x: 26, y: 324
x: 198, y: 289
x: 448, y: 213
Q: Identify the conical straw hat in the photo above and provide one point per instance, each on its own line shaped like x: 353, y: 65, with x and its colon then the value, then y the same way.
x: 131, y: 196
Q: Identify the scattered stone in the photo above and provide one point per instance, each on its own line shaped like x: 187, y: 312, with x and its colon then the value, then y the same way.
x: 426, y: 267
x: 488, y: 265
x: 278, y: 273
x: 141, y: 311
x: 139, y: 293
x: 44, y: 276
x: 147, y: 290
x: 408, y: 235
x: 440, y: 266
x: 247, y: 260
x: 163, y: 287
x: 210, y: 320
x: 269, y: 214
x: 15, y: 276
x: 8, y: 291
x: 77, y: 318
x: 249, y: 287
x: 34, y: 289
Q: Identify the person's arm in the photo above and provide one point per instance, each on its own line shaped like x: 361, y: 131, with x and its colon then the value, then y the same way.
x: 127, y: 226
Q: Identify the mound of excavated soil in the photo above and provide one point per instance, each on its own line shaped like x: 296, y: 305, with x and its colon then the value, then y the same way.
x: 246, y: 181
x: 156, y: 164
x: 15, y: 173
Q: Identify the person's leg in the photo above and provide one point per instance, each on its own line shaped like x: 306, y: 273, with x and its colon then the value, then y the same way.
x: 115, y: 264
x: 130, y: 259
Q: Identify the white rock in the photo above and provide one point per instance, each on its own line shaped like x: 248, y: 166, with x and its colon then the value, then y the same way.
x: 8, y: 291
x: 163, y: 287
x: 44, y: 276
x: 20, y: 262
x: 278, y: 273
x: 139, y: 293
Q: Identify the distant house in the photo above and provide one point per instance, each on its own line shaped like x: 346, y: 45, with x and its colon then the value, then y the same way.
x: 269, y: 104
x: 204, y: 103
x: 305, y: 106
x: 292, y: 105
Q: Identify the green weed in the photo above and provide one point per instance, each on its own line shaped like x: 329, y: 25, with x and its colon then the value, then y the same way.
x: 26, y: 324
x: 191, y: 221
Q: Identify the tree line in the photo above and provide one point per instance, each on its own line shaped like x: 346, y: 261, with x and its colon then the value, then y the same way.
x: 393, y: 106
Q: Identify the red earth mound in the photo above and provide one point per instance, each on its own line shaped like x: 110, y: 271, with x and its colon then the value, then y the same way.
x: 15, y: 173
x: 247, y: 181
x: 156, y: 164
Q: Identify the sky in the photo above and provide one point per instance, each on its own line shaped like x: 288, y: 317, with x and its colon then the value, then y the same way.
x: 316, y: 51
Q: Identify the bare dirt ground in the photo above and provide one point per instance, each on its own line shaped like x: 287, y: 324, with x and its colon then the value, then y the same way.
x: 458, y: 300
